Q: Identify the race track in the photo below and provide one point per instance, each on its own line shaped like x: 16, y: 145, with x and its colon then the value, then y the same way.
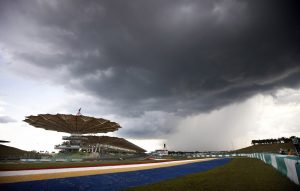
x: 116, y: 179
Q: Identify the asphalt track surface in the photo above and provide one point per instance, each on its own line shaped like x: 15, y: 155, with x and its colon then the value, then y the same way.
x: 114, y: 181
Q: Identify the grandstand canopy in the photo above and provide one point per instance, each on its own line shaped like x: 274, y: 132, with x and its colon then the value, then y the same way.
x: 74, y: 124
x: 113, y: 141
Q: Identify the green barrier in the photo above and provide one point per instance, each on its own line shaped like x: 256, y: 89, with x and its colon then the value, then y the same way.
x: 287, y: 165
x: 268, y: 159
x: 297, y: 166
x: 281, y: 167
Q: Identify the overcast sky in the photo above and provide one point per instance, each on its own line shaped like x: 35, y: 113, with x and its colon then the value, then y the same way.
x: 196, y: 75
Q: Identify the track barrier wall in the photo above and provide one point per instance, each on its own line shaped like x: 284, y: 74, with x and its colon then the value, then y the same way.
x: 285, y: 164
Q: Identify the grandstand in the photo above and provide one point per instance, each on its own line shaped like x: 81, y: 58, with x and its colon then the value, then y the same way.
x: 73, y: 124
x: 80, y: 141
x: 110, y: 143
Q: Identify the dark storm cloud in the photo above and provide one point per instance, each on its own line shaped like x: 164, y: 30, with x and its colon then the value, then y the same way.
x: 173, y: 56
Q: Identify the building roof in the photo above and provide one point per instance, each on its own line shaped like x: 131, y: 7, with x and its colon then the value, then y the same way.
x: 113, y: 141
x: 74, y: 124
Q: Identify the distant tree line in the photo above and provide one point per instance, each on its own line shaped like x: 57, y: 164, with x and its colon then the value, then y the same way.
x: 272, y: 141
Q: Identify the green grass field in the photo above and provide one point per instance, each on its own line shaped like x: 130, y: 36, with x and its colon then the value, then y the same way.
x: 11, y: 151
x: 240, y: 174
x: 271, y: 148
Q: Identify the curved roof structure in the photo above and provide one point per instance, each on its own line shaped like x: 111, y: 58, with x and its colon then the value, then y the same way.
x: 74, y: 124
x: 113, y: 141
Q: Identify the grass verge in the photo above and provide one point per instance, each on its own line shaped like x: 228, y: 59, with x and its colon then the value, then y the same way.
x: 272, y: 148
x: 240, y: 174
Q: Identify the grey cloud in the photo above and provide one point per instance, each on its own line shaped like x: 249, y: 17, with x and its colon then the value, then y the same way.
x: 180, y: 57
x: 6, y: 119
x: 149, y: 125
